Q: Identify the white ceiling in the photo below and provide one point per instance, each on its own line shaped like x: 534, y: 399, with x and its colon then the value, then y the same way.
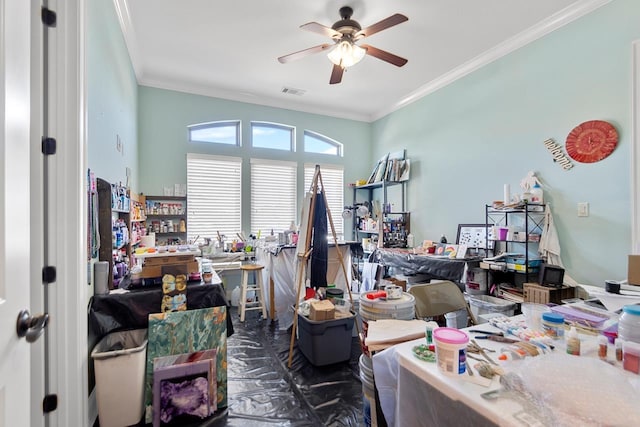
x: 229, y: 49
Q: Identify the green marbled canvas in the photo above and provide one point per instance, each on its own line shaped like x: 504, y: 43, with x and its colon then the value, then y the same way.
x: 180, y: 332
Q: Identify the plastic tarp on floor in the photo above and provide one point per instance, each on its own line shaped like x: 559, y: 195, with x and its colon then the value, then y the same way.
x: 263, y: 391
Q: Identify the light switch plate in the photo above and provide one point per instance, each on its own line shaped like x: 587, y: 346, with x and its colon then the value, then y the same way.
x: 583, y: 209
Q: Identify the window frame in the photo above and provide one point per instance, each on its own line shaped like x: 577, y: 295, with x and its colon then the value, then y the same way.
x: 273, y: 125
x: 330, y: 141
x: 217, y: 124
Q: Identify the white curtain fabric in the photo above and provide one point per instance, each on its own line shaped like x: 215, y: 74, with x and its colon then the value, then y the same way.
x: 549, y: 247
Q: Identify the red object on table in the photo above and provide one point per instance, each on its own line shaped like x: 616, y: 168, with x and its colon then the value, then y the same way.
x: 375, y: 295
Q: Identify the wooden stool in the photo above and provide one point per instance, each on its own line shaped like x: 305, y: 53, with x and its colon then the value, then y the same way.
x: 257, y: 288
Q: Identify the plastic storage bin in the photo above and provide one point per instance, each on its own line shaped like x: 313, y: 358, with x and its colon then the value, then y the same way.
x: 325, y: 342
x: 119, y: 361
x: 486, y: 304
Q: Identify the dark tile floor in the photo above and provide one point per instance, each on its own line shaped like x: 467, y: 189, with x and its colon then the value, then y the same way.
x: 264, y: 391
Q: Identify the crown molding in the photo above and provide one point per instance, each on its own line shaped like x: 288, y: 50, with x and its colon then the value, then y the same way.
x: 552, y: 23
x: 124, y: 18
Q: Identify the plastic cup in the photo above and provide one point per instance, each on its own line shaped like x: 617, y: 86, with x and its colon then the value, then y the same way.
x: 533, y: 315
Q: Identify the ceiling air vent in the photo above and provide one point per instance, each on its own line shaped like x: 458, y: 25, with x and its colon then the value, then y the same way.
x: 293, y: 91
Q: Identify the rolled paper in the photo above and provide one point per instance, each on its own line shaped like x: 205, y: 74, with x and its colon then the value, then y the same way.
x: 507, y: 195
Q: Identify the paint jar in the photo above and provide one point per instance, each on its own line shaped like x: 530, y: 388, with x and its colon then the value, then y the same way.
x: 451, y: 346
x: 629, y: 323
x: 603, y: 343
x: 573, y: 342
x: 553, y: 325
x: 618, y: 349
x: 631, y: 356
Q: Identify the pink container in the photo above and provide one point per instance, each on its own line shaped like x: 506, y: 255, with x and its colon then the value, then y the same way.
x: 503, y: 232
x: 451, y: 350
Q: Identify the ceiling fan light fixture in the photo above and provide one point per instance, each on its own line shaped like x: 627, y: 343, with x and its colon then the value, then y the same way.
x: 346, y: 53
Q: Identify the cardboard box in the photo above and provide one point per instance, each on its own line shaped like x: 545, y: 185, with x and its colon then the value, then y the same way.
x: 153, y: 271
x: 322, y: 310
x: 533, y: 292
x: 633, y: 273
x: 168, y: 259
x: 398, y: 282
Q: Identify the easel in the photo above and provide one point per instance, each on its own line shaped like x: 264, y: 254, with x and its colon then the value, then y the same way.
x: 304, y: 257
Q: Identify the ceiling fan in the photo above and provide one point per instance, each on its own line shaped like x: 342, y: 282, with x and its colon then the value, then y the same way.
x: 344, y: 52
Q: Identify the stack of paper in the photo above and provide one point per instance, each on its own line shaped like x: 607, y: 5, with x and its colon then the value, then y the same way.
x: 387, y: 332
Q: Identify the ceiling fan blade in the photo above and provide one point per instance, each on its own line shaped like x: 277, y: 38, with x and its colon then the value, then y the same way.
x: 323, y: 30
x: 384, y: 55
x: 336, y: 74
x: 379, y: 26
x: 305, y: 52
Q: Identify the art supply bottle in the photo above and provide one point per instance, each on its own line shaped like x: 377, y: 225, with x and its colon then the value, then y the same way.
x: 410, y: 240
x: 631, y: 356
x: 602, y: 347
x: 536, y: 194
x: 443, y: 239
x: 618, y: 349
x: 512, y: 353
x: 573, y: 342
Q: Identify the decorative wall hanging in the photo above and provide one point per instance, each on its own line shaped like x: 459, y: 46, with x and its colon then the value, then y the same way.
x: 591, y: 141
x: 558, y: 155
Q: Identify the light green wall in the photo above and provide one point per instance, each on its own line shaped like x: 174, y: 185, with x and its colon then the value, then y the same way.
x: 112, y: 97
x: 163, y: 117
x: 469, y: 138
x: 466, y: 140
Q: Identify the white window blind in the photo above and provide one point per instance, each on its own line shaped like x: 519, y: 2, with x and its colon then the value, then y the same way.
x: 273, y: 195
x: 333, y: 179
x: 213, y: 195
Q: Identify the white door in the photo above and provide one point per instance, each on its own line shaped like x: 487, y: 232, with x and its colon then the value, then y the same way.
x: 15, y: 112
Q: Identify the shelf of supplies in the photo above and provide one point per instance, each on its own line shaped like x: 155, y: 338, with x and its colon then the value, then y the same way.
x: 369, y: 231
x: 170, y: 232
x: 378, y: 184
x: 138, y: 219
x: 117, y: 248
x: 165, y: 215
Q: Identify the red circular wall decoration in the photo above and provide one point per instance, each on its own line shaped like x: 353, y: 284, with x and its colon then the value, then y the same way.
x: 591, y: 141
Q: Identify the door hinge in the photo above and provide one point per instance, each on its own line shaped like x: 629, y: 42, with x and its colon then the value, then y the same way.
x: 48, y: 274
x: 50, y: 403
x: 48, y: 146
x: 48, y: 17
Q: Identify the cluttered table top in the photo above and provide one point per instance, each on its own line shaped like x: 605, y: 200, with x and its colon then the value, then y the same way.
x: 530, y: 384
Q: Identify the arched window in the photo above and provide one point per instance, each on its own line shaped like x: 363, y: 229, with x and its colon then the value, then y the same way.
x: 316, y: 143
x: 224, y: 132
x: 272, y: 135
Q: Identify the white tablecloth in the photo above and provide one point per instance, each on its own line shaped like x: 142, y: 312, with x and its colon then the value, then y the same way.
x: 416, y: 393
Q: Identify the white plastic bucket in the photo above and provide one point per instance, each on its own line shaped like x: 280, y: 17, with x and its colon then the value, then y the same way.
x: 368, y: 392
x: 403, y: 308
x: 476, y: 283
x: 457, y: 319
x: 451, y: 353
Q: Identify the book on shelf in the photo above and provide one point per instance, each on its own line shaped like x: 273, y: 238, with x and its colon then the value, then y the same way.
x: 390, y: 169
x: 510, y: 293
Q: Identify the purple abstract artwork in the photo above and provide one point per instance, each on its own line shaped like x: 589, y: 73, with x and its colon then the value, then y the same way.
x: 190, y: 397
